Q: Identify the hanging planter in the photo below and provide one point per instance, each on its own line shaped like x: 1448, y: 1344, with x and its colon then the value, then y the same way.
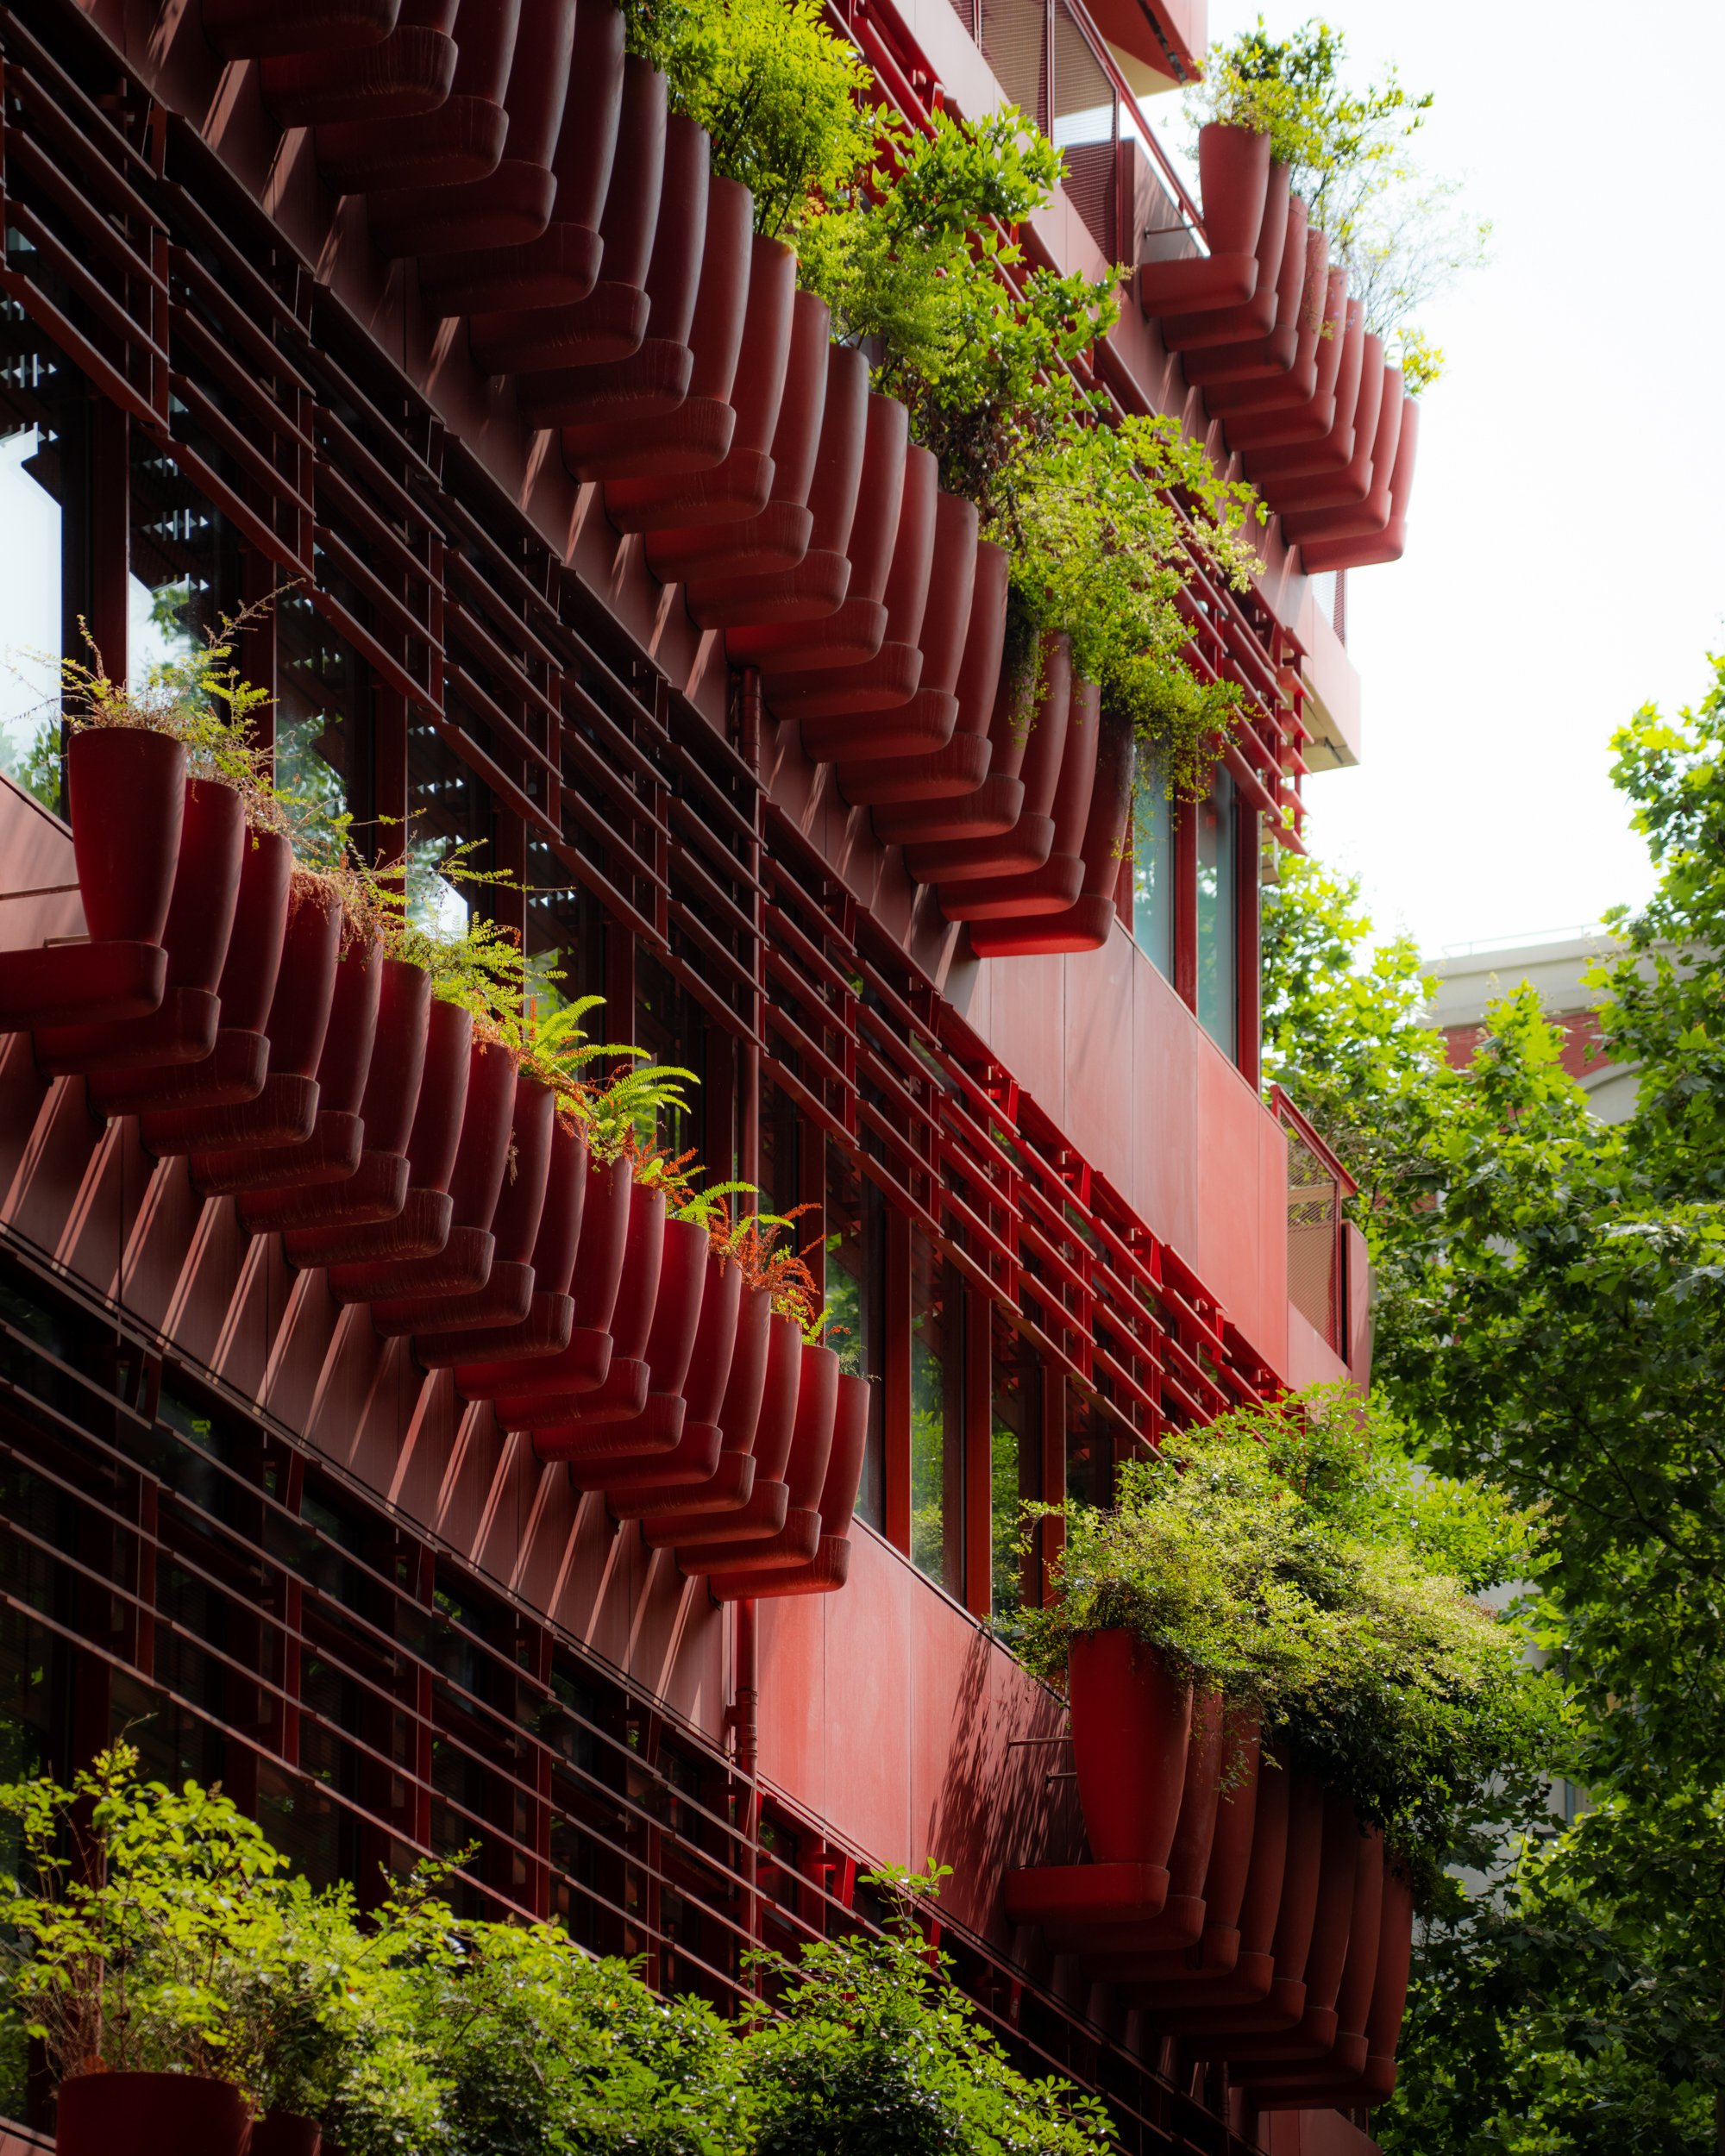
x: 200, y: 924
x: 529, y: 1398
x: 1254, y: 415
x: 712, y: 1468
x: 1370, y: 548
x: 247, y: 29
x: 235, y: 1069
x: 1348, y: 485
x: 739, y: 483
x: 406, y: 1286
x: 1235, y: 1959
x: 1132, y: 1722
x: 698, y: 435
x: 830, y: 1567
x: 854, y: 628
x: 805, y: 1475
x: 505, y: 1296
x: 558, y: 268
x: 1332, y: 2041
x: 512, y: 205
x: 1055, y: 885
x: 332, y: 1151
x: 1233, y: 184
x: 1033, y: 759
x: 654, y: 375
x: 1371, y: 514
x: 144, y: 2113
x: 1299, y: 300
x: 461, y: 139
x: 1086, y: 922
x: 410, y: 71
x: 1255, y: 317
x: 763, y: 1512
x: 285, y: 1106
x: 376, y: 1188
x: 420, y: 1222
x: 609, y: 320
x: 1322, y: 321
x: 1314, y: 2088
x: 1309, y: 453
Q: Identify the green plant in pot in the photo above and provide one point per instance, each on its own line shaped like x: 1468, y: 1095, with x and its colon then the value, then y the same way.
x: 1294, y: 1560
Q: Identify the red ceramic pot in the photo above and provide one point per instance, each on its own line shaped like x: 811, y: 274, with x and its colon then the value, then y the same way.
x: 127, y: 788
x: 1056, y: 884
x: 654, y: 376
x: 285, y: 1107
x: 235, y: 1069
x: 1132, y: 1722
x: 463, y: 139
x: 961, y: 766
x: 286, y: 2133
x: 1271, y: 360
x: 698, y: 433
x: 1349, y: 1887
x: 639, y: 1406
x: 925, y: 721
x: 504, y: 1297
x: 995, y: 800
x: 333, y: 1150
x: 1086, y: 923
x: 712, y: 1469
x: 546, y: 1328
x: 411, y: 71
x: 200, y: 924
x: 666, y: 1482
x: 1345, y: 2052
x: 1308, y: 456
x: 1371, y: 548
x: 1238, y: 1964
x: 775, y: 535
x: 559, y: 267
x: 1034, y: 758
x: 812, y: 1439
x: 403, y: 1287
x: 830, y: 1567
x: 420, y: 1224
x: 1189, y: 1857
x: 250, y: 29
x: 512, y: 205
x: 1234, y: 181
x: 1254, y: 317
x: 626, y: 1274
x: 854, y: 629
x: 763, y: 1512
x: 142, y: 2115
x: 739, y: 484
x: 376, y: 1187
x: 892, y: 676
x: 1347, y: 487
x: 1297, y: 2088
x: 1371, y: 514
x: 811, y: 541
x: 1277, y: 415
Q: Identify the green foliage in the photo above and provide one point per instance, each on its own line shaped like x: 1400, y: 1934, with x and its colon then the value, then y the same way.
x: 1295, y: 1558
x: 781, y: 97
x: 36, y: 766
x: 873, y: 2053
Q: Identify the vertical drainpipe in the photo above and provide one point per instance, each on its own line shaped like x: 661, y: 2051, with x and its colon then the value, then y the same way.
x: 745, y: 1710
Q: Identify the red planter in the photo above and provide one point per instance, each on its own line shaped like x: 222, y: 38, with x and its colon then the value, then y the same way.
x: 893, y: 675
x: 652, y: 375
x: 284, y: 2133
x: 698, y: 435
x: 1349, y: 1887
x: 1371, y: 513
x: 739, y: 484
x: 797, y: 1538
x: 1234, y: 181
x: 713, y: 1469
x: 377, y: 1186
x: 1371, y: 548
x: 1235, y: 1960
x: 1055, y: 885
x: 830, y: 1566
x: 200, y: 924
x: 461, y: 139
x: 512, y: 205
x: 333, y: 1150
x: 1086, y: 923
x: 1311, y: 2088
x: 1301, y: 407
x: 1131, y: 1723
x: 409, y: 71
x: 960, y: 765
x: 766, y: 1443
x: 1347, y: 487
x: 1307, y: 455
x: 402, y: 1289
x: 1344, y: 2052
x: 543, y: 323
x: 639, y: 1408
x: 1299, y: 308
x: 235, y: 1069
x: 995, y: 802
x: 285, y: 1107
x: 143, y: 2115
x: 419, y: 1223
x: 506, y: 1296
x: 925, y: 721
x: 1034, y: 759
x: 249, y: 30
x: 554, y: 1392
x: 1255, y: 317
x: 854, y: 629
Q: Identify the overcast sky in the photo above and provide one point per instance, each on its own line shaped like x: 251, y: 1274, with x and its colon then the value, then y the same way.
x: 1564, y: 561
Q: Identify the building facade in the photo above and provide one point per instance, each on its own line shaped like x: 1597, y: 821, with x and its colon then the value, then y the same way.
x: 1042, y: 1192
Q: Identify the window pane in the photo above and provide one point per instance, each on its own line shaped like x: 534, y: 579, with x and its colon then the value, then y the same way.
x: 1089, y: 1452
x: 1216, y: 912
x: 1153, y: 874
x: 936, y: 1417
x: 855, y: 1277
x: 1015, y: 1463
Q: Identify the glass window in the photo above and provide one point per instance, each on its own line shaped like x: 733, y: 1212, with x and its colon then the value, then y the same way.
x: 856, y: 1279
x: 1014, y: 1463
x: 39, y: 427
x: 671, y: 1027
x: 1216, y: 912
x: 1153, y: 874
x: 1089, y: 1452
x: 937, y: 1417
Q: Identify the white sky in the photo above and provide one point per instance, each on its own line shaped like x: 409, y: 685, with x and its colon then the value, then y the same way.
x: 1564, y: 561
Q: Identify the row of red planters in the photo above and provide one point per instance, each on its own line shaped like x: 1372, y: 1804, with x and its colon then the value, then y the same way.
x: 1265, y: 329
x: 1234, y: 1898
x: 551, y: 199
x: 346, y: 1109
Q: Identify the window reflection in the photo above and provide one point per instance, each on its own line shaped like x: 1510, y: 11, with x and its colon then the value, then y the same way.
x: 1153, y: 874
x: 1216, y: 912
x: 1014, y: 1463
x: 936, y: 1417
